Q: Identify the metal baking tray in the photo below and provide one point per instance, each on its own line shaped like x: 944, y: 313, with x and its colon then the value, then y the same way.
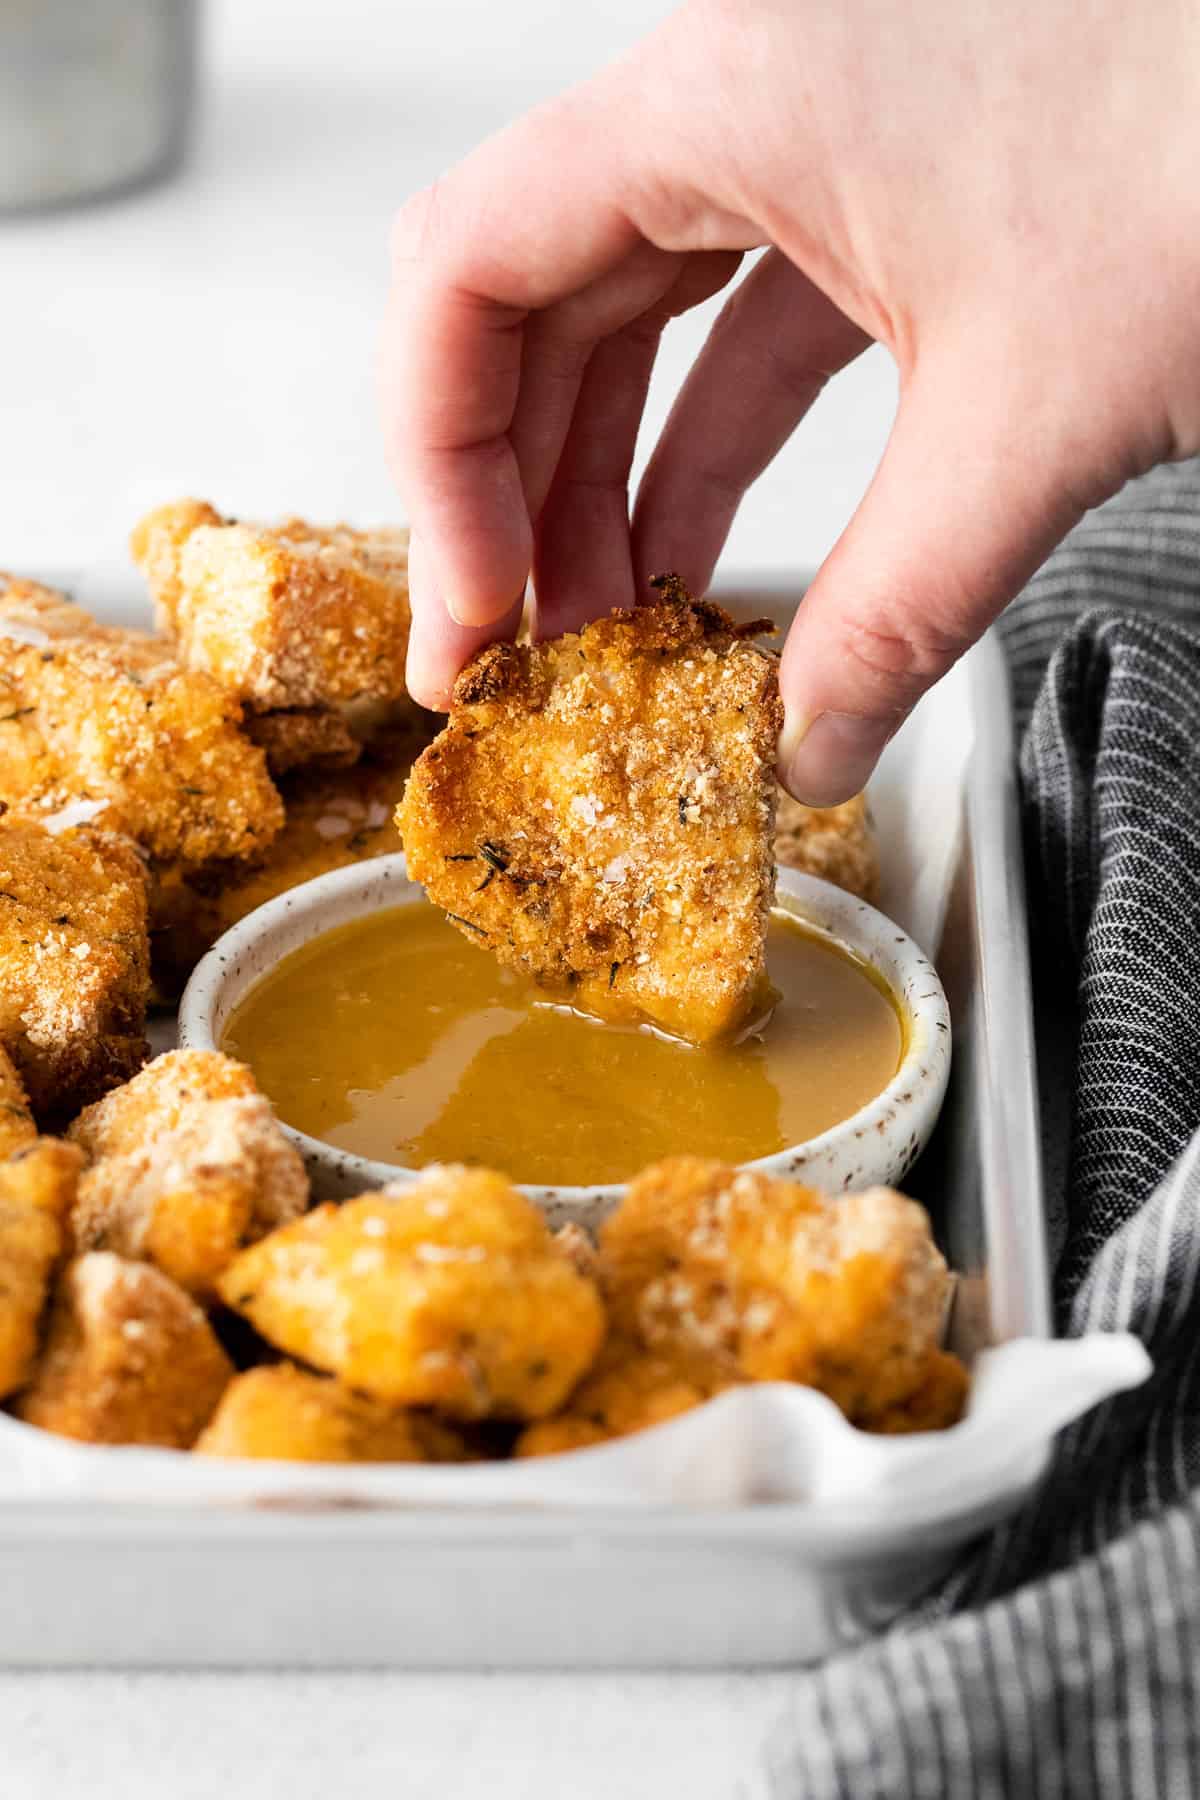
x: 678, y: 1587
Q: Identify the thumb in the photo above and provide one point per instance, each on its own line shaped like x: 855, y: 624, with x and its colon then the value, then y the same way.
x: 965, y: 505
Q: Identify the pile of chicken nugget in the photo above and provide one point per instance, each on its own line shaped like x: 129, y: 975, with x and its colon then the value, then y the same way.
x: 164, y: 1276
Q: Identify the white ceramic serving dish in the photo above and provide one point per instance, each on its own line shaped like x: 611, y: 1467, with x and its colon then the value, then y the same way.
x: 877, y: 1144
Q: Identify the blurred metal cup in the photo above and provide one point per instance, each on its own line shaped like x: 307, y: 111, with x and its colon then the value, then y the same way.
x: 95, y: 96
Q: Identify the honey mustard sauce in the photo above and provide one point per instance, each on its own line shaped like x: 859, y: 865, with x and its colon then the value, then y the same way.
x: 394, y: 1038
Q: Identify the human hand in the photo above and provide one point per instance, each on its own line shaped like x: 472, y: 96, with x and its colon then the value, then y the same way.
x: 1003, y: 195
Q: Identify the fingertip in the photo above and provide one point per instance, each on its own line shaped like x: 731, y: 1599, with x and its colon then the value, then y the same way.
x: 473, y: 601
x: 826, y: 759
x: 438, y: 648
x: 427, y: 683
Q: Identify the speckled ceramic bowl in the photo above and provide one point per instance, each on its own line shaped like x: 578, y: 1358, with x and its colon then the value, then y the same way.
x: 878, y: 1143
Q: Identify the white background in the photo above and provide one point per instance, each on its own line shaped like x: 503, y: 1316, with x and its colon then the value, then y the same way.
x: 217, y: 336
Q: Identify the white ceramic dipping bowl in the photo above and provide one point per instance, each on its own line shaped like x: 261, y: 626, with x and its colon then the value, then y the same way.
x: 877, y: 1144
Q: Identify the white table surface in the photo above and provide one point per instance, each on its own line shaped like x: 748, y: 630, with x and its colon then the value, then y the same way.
x: 217, y: 336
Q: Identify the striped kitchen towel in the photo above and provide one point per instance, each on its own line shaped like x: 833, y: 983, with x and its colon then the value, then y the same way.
x: 1063, y: 1657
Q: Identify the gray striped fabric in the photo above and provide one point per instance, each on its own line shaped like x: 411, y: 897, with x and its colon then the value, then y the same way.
x: 1063, y: 1658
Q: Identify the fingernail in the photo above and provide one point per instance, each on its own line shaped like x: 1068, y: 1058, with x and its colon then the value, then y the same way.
x: 426, y: 688
x: 476, y: 618
x: 826, y: 759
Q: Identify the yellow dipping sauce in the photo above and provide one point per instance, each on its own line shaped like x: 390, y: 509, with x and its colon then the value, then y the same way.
x: 394, y: 1038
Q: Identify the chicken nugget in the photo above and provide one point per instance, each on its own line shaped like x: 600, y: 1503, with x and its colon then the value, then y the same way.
x: 37, y: 1187
x: 447, y: 1292
x: 599, y: 812
x: 834, y: 842
x: 333, y: 819
x: 306, y: 741
x: 129, y: 1358
x: 287, y: 615
x: 629, y: 1389
x: 16, y: 1119
x: 104, y: 722
x: 192, y: 1166
x: 306, y: 737
x: 843, y: 1294
x: 163, y: 1096
x: 286, y: 1414
x: 74, y: 961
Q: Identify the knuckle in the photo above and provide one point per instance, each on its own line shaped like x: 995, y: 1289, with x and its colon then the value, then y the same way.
x: 896, y: 660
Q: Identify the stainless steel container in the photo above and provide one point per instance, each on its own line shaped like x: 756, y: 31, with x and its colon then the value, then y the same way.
x: 95, y: 96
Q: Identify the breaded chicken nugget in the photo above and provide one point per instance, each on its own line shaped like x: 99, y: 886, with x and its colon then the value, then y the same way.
x: 95, y: 715
x: 629, y: 1389
x: 282, y: 615
x: 129, y: 1358
x: 447, y: 1292
x: 37, y: 1187
x: 306, y: 741
x: 333, y: 820
x: 599, y: 813
x: 16, y: 1119
x: 166, y: 1093
x: 834, y: 842
x: 284, y: 1413
x: 847, y: 1295
x: 74, y: 961
x: 305, y: 737
x: 197, y: 1176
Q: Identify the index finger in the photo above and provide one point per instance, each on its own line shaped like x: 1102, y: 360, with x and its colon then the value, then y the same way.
x: 526, y: 221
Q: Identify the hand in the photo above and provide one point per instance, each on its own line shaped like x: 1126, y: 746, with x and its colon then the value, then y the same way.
x: 1003, y: 194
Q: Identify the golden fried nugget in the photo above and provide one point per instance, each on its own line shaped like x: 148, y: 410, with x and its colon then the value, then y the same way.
x: 333, y: 820
x: 74, y: 961
x: 834, y: 842
x: 306, y: 741
x: 306, y: 737
x: 599, y: 812
x: 157, y: 544
x: 163, y: 1096
x: 282, y: 615
x: 844, y: 1294
x: 448, y: 1292
x: 104, y: 719
x: 286, y: 1414
x: 190, y: 1166
x: 629, y: 1389
x: 16, y: 1119
x: 37, y: 1187
x: 129, y: 1358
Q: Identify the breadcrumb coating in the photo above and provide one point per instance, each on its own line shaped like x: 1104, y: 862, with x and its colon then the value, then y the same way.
x: 285, y: 1413
x: 163, y: 1096
x: 74, y: 961
x: 447, y: 1292
x: 286, y: 615
x: 17, y: 1127
x: 37, y: 1187
x: 306, y: 737
x: 833, y: 842
x: 106, y: 719
x: 191, y: 1166
x: 843, y: 1294
x: 599, y: 813
x: 129, y: 1358
x: 629, y: 1389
